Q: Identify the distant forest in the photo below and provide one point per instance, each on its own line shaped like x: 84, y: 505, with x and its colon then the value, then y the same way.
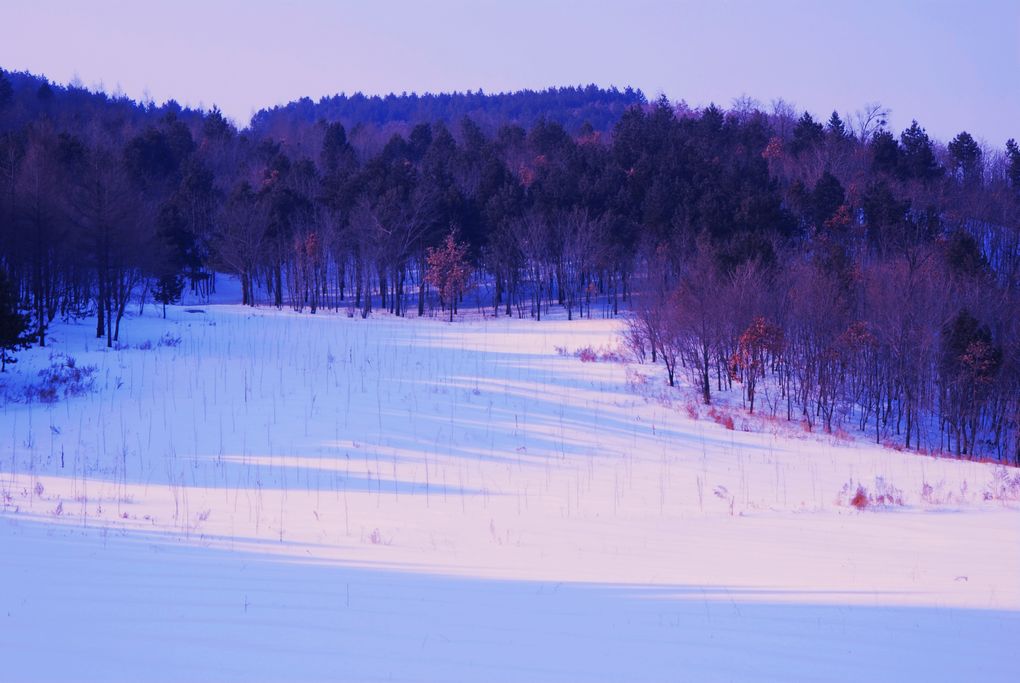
x: 838, y: 273
x: 572, y: 108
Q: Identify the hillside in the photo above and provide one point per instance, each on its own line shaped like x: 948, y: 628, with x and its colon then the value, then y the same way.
x: 256, y: 494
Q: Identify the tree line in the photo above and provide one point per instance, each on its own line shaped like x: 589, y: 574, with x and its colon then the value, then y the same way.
x: 572, y: 107
x: 836, y: 272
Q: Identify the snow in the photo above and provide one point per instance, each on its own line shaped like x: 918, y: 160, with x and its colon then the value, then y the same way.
x: 282, y: 496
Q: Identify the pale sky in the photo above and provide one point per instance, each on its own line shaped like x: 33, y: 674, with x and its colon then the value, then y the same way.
x: 952, y: 65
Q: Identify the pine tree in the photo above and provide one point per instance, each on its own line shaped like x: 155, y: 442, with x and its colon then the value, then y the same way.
x: 918, y: 157
x: 13, y: 323
x: 174, y: 251
x: 6, y: 90
x: 806, y: 134
x: 966, y: 156
x: 836, y: 129
x: 825, y: 199
x: 885, y: 153
x: 1013, y: 170
x: 169, y: 286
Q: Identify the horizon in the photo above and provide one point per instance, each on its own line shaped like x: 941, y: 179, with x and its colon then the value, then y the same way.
x: 793, y: 51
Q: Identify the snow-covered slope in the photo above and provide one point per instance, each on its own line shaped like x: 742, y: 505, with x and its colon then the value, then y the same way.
x: 291, y: 497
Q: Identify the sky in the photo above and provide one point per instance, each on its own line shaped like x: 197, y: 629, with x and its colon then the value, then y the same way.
x: 951, y: 65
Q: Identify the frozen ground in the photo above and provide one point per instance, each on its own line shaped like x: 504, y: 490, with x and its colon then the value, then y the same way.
x: 294, y: 497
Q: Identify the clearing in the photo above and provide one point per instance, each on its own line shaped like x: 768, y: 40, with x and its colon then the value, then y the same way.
x: 258, y: 495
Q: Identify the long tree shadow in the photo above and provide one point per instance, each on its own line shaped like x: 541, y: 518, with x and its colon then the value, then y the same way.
x: 279, y: 430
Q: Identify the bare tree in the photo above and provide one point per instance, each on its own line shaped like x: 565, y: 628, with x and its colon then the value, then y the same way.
x: 867, y: 121
x: 239, y: 238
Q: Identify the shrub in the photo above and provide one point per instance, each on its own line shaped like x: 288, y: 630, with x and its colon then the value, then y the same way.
x: 637, y: 381
x: 612, y: 356
x: 860, y: 499
x: 590, y: 354
x: 885, y: 495
x: 842, y: 435
x: 169, y: 340
x: 64, y: 377
x: 1003, y: 486
x: 939, y: 494
x: 721, y: 418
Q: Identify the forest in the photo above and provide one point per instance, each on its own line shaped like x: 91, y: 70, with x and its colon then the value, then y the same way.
x: 839, y: 274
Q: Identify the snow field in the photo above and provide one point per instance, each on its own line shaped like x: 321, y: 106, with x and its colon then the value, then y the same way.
x: 291, y: 497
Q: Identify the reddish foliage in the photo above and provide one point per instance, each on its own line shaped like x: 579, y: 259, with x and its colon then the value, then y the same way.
x: 774, y: 150
x: 448, y: 271
x: 860, y: 499
x: 840, y: 219
x: 980, y: 361
x: 893, y: 445
x: 857, y: 337
x: 721, y: 418
x: 590, y: 354
x: 842, y: 435
x: 527, y: 175
x: 761, y: 342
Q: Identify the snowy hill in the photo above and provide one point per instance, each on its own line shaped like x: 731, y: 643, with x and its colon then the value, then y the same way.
x: 239, y: 494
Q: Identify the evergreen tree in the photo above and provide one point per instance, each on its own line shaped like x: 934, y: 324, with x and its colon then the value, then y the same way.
x: 806, y: 134
x: 885, y: 153
x: 13, y: 323
x: 216, y: 126
x: 885, y: 215
x: 6, y: 90
x: 836, y: 129
x: 174, y: 247
x: 966, y: 155
x: 168, y: 289
x: 45, y: 92
x: 337, y: 155
x: 826, y: 199
x: 918, y: 157
x: 963, y: 255
x: 1013, y: 167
